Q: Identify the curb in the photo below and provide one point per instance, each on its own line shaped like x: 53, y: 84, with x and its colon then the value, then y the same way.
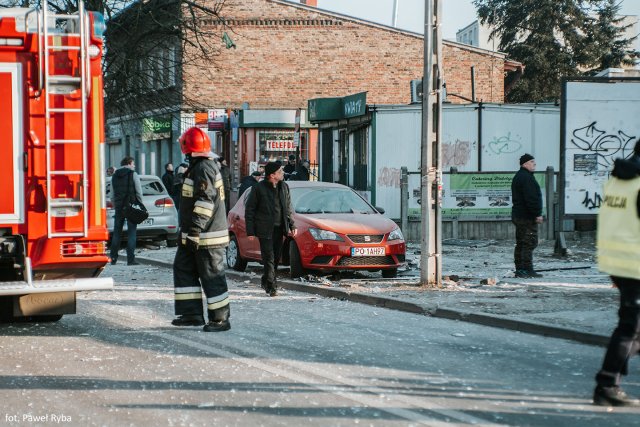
x: 409, y: 307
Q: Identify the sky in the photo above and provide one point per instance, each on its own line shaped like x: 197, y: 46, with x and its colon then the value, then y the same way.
x: 456, y: 14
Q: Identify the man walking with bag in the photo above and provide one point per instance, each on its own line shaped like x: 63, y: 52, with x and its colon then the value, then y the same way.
x: 125, y: 183
x: 199, y: 264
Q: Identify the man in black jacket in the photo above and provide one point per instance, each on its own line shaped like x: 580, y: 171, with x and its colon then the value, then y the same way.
x: 290, y: 168
x: 168, y: 177
x: 526, y: 214
x: 302, y: 173
x: 226, y: 180
x: 248, y: 182
x: 268, y: 216
x: 125, y: 183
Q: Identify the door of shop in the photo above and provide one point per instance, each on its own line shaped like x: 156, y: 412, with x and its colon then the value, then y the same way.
x: 343, y: 158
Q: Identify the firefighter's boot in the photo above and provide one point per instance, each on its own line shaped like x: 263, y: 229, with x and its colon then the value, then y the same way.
x: 218, y: 320
x: 188, y: 320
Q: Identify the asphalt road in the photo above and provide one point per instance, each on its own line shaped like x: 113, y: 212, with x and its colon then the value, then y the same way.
x: 292, y: 360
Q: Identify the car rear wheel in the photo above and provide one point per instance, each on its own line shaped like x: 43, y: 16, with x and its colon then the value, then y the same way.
x: 172, y: 243
x: 234, y: 260
x: 294, y: 261
x: 390, y: 273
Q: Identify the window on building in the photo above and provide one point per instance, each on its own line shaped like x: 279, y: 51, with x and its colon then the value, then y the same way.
x: 173, y: 61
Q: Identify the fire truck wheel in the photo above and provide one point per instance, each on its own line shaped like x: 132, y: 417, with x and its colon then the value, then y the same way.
x: 46, y: 318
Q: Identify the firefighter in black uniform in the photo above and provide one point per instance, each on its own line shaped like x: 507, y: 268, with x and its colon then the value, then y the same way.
x: 199, y: 263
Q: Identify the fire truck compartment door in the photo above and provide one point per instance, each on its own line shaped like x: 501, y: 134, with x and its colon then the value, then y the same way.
x: 11, y: 144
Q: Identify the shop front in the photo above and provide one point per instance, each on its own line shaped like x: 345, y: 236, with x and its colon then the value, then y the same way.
x: 270, y: 135
x: 344, y: 141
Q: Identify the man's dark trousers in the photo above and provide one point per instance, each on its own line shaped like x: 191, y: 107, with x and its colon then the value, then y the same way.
x: 118, y: 225
x: 625, y: 341
x: 271, y: 249
x: 526, y: 242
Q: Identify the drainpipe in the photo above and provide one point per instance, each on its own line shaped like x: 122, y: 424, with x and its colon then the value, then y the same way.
x: 394, y: 20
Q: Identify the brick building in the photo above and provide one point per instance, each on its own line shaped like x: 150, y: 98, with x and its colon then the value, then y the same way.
x: 285, y: 54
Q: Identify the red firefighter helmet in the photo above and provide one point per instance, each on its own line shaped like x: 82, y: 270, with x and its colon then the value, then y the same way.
x: 195, y: 140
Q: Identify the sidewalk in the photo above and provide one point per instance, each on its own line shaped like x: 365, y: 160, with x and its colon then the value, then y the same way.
x: 576, y: 302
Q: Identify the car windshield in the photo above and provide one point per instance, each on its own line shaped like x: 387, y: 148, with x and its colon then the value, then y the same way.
x: 309, y: 200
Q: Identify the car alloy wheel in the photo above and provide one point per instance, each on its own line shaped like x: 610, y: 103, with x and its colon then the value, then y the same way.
x: 234, y: 260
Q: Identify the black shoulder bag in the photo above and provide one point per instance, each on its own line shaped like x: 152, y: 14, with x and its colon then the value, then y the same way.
x: 133, y: 209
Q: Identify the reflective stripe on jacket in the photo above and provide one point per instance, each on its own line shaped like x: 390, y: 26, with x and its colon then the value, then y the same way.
x: 202, y: 210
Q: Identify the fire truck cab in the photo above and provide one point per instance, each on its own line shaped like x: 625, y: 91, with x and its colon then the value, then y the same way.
x: 52, y: 209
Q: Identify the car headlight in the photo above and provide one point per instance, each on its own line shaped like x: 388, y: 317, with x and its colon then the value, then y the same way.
x: 396, y: 235
x: 319, y: 234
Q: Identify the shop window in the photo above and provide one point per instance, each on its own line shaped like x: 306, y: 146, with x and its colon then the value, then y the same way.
x: 278, y: 145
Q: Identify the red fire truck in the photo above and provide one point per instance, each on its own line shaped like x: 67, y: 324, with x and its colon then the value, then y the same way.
x: 52, y: 209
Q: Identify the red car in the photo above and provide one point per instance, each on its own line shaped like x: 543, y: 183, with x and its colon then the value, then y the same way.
x: 337, y: 230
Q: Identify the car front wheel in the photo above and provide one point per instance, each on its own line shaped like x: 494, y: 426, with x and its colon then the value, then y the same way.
x: 390, y: 273
x: 234, y: 260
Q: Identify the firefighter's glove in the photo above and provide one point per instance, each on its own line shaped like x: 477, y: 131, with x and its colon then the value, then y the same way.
x: 193, y: 239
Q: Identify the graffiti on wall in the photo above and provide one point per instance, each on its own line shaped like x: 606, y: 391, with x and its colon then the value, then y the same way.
x: 505, y: 144
x: 389, y: 177
x: 455, y: 154
x: 592, y: 202
x: 606, y: 146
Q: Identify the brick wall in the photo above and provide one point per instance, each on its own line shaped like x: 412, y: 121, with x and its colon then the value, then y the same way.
x: 287, y: 54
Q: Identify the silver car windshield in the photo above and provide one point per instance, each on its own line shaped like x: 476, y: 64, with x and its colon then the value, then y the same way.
x: 308, y: 200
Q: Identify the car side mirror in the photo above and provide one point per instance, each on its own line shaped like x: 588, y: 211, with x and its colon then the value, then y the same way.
x: 379, y: 209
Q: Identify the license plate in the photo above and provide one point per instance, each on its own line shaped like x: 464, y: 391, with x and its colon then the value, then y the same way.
x: 379, y: 251
x: 148, y: 221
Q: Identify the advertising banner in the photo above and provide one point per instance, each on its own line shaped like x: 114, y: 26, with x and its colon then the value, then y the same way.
x: 216, y: 119
x: 156, y: 128
x: 473, y: 196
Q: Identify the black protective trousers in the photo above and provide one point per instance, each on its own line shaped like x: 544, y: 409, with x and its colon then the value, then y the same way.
x: 526, y: 242
x: 625, y: 341
x: 271, y: 250
x: 194, y: 272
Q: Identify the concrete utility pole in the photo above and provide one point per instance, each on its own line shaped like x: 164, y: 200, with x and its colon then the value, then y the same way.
x: 431, y: 171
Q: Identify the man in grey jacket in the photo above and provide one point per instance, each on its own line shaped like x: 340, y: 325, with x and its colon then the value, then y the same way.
x: 124, y: 182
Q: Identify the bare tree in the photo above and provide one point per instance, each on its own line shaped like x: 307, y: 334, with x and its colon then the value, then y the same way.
x: 150, y: 43
x: 147, y: 45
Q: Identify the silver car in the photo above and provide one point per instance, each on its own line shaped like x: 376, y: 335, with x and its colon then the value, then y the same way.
x: 162, y: 223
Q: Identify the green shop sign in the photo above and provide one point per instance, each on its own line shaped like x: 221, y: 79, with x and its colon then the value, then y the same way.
x: 156, y: 128
x: 323, y: 109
